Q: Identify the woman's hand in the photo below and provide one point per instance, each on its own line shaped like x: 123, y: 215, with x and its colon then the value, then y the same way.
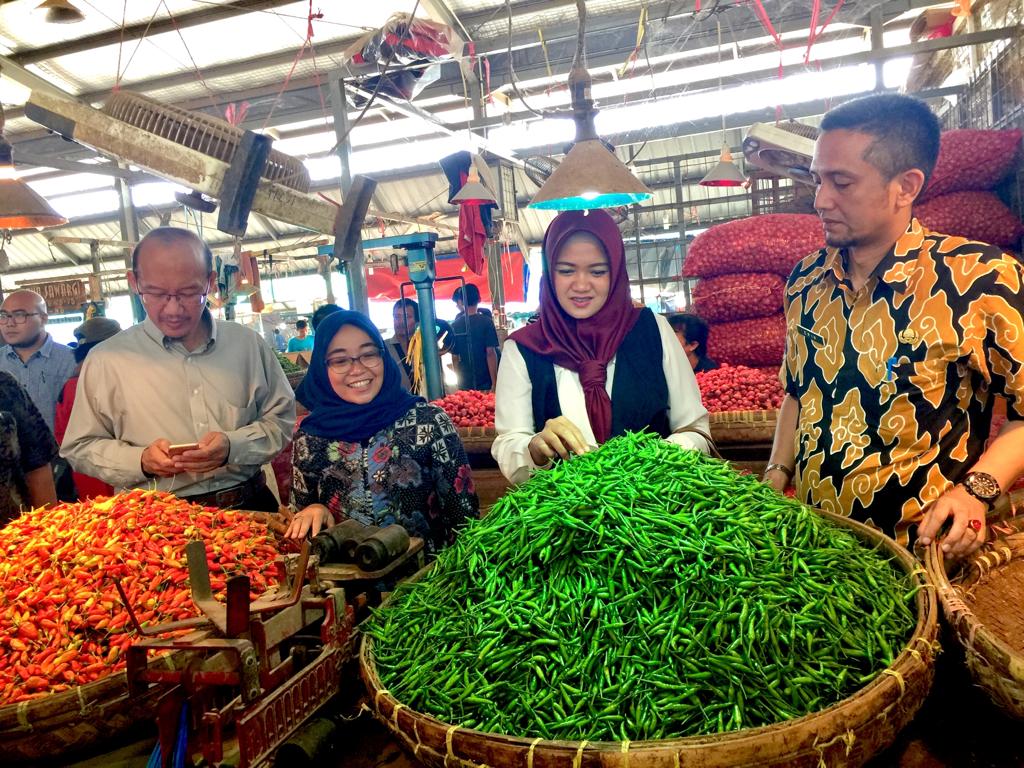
x: 310, y: 520
x: 559, y: 437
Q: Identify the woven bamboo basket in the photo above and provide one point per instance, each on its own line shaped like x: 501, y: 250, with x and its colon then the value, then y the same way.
x: 983, y: 601
x: 296, y: 378
x: 845, y: 734
x: 74, y: 720
x: 477, y: 439
x: 741, y: 427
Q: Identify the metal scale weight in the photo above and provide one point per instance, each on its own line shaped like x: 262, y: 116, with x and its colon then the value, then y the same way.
x: 250, y: 674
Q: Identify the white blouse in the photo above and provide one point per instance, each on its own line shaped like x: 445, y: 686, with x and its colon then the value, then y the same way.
x: 513, y: 411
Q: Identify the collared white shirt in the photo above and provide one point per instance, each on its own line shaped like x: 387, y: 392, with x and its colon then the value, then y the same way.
x: 513, y: 409
x: 139, y: 386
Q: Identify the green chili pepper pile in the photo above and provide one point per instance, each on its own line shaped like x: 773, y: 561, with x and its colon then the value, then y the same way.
x: 642, y: 591
x: 287, y: 365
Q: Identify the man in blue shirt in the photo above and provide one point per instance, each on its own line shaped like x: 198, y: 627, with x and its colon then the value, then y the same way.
x: 301, y: 341
x: 31, y: 356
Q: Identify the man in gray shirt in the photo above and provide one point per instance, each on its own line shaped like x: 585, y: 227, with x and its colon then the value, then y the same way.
x: 182, y: 402
x: 31, y: 356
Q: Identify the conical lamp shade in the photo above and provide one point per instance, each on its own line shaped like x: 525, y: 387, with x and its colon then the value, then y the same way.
x: 590, y: 177
x: 473, y: 191
x: 725, y: 173
x: 22, y: 208
x: 60, y: 12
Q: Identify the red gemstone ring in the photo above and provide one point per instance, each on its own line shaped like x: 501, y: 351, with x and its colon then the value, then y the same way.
x: 975, y: 524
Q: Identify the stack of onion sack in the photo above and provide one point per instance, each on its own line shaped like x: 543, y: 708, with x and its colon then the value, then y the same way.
x: 738, y: 388
x: 641, y: 591
x: 743, y: 266
x: 959, y: 198
x: 63, y: 623
x: 469, y: 408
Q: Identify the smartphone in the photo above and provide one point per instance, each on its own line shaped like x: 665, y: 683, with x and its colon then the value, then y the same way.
x: 180, y: 448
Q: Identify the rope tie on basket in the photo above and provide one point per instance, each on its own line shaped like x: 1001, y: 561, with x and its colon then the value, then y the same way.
x: 899, y: 679
x: 394, y: 714
x: 625, y: 751
x: 23, y: 712
x: 419, y: 742
x: 579, y: 754
x: 82, y: 707
x: 376, y: 698
x: 529, y: 755
x: 675, y: 760
x: 956, y: 604
x: 849, y: 739
x: 448, y: 743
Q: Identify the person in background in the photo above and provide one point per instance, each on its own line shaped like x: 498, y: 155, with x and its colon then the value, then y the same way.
x: 321, y: 312
x: 476, y: 340
x: 899, y: 340
x: 593, y: 366
x: 181, y: 402
x: 405, y: 315
x: 692, y: 333
x: 279, y: 342
x: 26, y: 449
x: 371, y: 451
x: 31, y: 356
x: 302, y: 341
x: 89, y: 334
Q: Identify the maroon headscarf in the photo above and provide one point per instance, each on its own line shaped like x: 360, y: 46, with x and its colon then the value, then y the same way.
x: 584, y: 346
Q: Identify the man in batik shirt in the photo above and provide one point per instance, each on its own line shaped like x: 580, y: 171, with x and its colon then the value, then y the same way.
x: 899, y: 339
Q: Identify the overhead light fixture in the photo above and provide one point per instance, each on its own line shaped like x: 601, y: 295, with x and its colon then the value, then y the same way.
x: 474, y: 190
x: 20, y: 206
x: 726, y: 173
x: 60, y: 12
x: 590, y: 176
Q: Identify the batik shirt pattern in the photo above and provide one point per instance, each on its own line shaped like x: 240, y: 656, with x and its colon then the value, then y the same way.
x: 414, y: 473
x: 896, y: 381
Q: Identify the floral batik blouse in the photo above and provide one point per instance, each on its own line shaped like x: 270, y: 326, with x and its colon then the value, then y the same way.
x: 414, y: 473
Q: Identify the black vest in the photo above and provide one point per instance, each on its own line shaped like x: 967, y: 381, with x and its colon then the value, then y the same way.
x: 639, y: 389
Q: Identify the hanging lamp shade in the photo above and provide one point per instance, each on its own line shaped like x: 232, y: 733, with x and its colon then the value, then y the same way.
x: 20, y: 206
x: 590, y: 176
x: 60, y: 12
x: 725, y: 174
x: 473, y: 191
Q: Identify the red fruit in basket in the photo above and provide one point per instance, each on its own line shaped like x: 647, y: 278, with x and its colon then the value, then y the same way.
x: 738, y: 388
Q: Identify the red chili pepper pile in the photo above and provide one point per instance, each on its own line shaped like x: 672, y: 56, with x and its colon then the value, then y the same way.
x: 469, y: 408
x: 738, y: 388
x: 62, y: 623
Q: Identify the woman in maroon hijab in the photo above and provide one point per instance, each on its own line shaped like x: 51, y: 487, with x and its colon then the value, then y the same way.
x: 593, y: 366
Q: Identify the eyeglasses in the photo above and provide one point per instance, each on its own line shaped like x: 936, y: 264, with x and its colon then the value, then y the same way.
x: 186, y: 299
x: 371, y: 359
x: 18, y: 316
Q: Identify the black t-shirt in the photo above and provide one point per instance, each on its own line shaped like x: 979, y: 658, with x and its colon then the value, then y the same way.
x: 474, y: 333
x: 705, y: 364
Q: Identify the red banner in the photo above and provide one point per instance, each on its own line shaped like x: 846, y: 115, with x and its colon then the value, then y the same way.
x: 384, y: 285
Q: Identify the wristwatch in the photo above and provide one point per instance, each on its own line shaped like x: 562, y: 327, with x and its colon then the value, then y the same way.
x: 787, y: 471
x: 982, y: 486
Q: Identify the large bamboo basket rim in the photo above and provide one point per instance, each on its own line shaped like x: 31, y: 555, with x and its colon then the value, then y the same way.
x: 971, y: 632
x: 19, y: 717
x: 887, y: 688
x: 743, y: 418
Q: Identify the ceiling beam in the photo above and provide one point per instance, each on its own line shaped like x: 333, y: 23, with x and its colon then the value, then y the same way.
x: 142, y: 29
x: 12, y: 69
x: 104, y: 169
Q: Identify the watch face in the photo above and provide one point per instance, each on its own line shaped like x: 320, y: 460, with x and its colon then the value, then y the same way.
x: 982, y: 485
